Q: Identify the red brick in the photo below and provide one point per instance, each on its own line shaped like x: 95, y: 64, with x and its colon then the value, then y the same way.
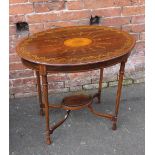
x: 77, y: 82
x: 127, y: 28
x: 23, y: 89
x: 138, y: 28
x: 113, y: 70
x: 14, y: 40
x: 16, y: 18
x: 59, y: 24
x: 16, y: 66
x: 142, y: 36
x: 138, y: 19
x: 107, y: 12
x: 75, y: 15
x: 56, y: 5
x: 140, y: 66
x: 25, y: 81
x: 34, y: 28
x: 116, y: 21
x: 39, y: 18
x: 137, y: 2
x: 58, y: 77
x: 75, y: 5
x: 93, y: 4
x: 76, y: 89
x: 107, y: 78
x: 50, y: 6
x: 80, y: 75
x: 140, y: 46
x: 56, y: 85
x: 133, y: 10
x: 17, y: 1
x: 41, y: 7
x: 12, y: 43
x: 136, y: 35
x: 61, y: 90
x: 12, y: 30
x: 128, y: 2
x: 83, y: 22
x: 38, y: 0
x: 66, y: 23
x: 122, y: 2
x: 20, y: 74
x: 22, y: 83
x: 20, y: 9
x: 12, y: 50
x: 14, y: 58
x: 10, y: 84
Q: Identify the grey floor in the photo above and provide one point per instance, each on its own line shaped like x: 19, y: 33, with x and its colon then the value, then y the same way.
x: 83, y: 133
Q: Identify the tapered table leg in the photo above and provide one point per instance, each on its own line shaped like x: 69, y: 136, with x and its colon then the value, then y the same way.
x: 40, y: 94
x: 121, y: 74
x: 100, y: 85
x: 43, y: 74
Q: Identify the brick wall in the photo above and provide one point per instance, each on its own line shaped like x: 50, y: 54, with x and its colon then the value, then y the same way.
x: 40, y: 15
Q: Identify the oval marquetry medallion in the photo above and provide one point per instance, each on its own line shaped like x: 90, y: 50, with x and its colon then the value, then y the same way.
x: 76, y: 42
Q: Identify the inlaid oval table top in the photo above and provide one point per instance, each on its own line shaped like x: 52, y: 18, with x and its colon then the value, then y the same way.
x: 75, y: 45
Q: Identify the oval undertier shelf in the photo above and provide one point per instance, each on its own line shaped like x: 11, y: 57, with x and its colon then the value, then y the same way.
x: 76, y: 102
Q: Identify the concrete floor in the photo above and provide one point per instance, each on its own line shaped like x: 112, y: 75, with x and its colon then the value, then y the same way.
x: 83, y: 133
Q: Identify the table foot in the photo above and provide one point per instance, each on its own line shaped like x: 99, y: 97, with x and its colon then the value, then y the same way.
x: 48, y: 141
x: 114, y: 126
x: 42, y: 113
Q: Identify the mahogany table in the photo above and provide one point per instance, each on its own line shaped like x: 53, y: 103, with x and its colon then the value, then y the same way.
x: 75, y: 49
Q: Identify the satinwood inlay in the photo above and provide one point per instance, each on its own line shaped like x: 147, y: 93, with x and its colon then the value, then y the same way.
x: 77, y: 42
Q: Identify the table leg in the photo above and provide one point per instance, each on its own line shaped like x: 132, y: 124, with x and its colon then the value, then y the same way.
x: 40, y: 94
x: 121, y: 74
x: 100, y: 85
x: 43, y: 74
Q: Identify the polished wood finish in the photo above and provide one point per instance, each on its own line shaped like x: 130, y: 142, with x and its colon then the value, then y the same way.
x: 75, y: 49
x: 76, y: 102
x: 49, y: 47
x: 100, y: 85
x: 121, y: 74
x: 43, y: 73
x: 39, y: 93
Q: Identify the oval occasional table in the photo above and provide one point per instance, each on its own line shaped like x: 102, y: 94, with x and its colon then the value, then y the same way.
x: 75, y: 49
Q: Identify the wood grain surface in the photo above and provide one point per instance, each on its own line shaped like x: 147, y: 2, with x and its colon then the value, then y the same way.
x: 76, y: 45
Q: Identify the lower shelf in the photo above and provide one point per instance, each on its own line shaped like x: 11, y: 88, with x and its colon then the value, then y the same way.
x: 76, y: 102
